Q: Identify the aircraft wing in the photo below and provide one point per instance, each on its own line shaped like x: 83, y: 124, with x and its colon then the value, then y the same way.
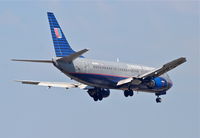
x: 56, y: 84
x: 165, y: 68
x: 154, y: 73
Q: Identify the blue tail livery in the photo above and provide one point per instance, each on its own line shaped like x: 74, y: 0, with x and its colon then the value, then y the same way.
x: 99, y: 77
x: 62, y: 47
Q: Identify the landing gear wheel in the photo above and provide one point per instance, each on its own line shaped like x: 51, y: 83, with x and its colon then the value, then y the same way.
x: 126, y: 93
x: 100, y: 97
x: 95, y: 98
x: 158, y: 100
x: 131, y: 93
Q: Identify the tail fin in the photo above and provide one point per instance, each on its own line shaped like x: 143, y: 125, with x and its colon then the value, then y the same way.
x: 62, y: 47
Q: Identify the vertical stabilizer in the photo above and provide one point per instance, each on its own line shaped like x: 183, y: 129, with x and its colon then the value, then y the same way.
x: 62, y: 47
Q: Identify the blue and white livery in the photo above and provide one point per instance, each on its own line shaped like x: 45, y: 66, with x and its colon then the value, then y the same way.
x: 98, y: 77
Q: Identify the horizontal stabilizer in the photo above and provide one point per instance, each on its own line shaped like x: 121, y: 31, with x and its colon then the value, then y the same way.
x: 71, y: 57
x: 41, y: 61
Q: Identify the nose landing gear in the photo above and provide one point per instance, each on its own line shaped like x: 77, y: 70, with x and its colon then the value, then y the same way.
x: 158, y: 99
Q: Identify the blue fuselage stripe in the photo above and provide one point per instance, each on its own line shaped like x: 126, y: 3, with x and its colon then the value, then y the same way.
x: 101, y: 79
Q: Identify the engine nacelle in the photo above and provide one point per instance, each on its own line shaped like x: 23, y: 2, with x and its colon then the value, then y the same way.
x: 157, y: 83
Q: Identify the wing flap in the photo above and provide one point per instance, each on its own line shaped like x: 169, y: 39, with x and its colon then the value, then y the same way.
x: 132, y: 80
x: 124, y: 81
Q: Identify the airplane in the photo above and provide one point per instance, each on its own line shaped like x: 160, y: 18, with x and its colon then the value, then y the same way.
x: 97, y: 77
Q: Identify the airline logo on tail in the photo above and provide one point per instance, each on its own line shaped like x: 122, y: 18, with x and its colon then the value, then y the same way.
x: 58, y: 32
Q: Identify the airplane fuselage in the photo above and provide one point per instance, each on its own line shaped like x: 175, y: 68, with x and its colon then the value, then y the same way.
x: 105, y: 74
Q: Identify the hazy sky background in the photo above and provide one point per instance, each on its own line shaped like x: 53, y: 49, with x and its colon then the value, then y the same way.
x: 150, y: 33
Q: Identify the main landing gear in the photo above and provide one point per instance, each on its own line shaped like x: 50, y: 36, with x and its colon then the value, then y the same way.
x: 98, y: 93
x: 128, y: 93
x: 97, y: 96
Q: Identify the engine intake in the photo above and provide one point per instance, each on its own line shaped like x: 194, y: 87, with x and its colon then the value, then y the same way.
x: 157, y: 83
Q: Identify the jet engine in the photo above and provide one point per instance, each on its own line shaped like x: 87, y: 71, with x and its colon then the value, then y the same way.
x: 157, y: 83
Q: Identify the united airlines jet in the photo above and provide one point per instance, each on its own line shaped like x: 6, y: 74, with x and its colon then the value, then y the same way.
x: 98, y: 77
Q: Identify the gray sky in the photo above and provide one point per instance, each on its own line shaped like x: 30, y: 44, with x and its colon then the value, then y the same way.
x: 149, y: 33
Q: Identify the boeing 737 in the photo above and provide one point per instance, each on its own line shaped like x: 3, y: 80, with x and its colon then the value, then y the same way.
x: 98, y: 77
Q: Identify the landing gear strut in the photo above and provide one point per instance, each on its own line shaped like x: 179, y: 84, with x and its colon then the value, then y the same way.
x: 128, y: 93
x: 158, y: 99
